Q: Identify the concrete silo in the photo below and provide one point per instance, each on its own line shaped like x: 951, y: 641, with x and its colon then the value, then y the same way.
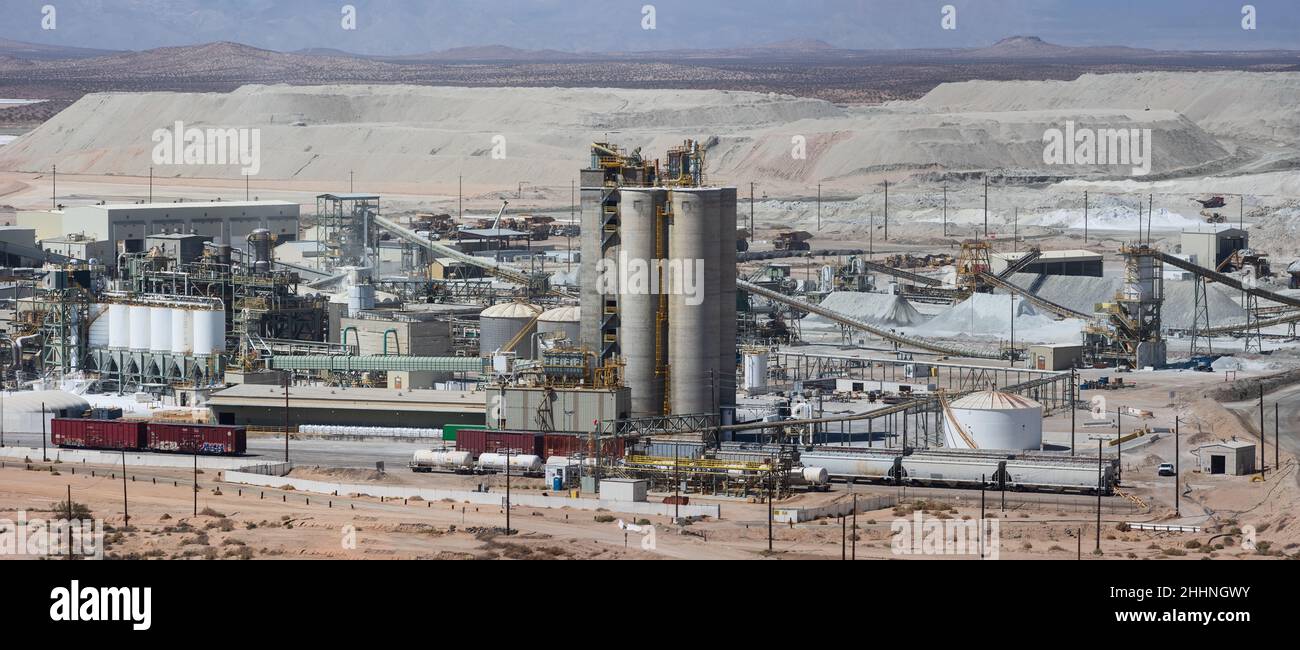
x: 694, y: 309
x: 642, y: 333
x: 726, y: 269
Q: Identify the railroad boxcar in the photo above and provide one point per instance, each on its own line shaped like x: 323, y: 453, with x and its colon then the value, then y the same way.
x: 206, y: 439
x: 76, y: 433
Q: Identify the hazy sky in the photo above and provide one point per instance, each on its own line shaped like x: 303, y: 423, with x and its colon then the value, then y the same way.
x: 413, y: 26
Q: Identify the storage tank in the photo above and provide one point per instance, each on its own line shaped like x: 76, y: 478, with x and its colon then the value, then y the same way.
x: 182, y: 331
x: 100, y: 326
x: 209, y: 333
x: 160, y: 329
x: 360, y: 297
x: 641, y: 231
x: 139, y: 328
x: 522, y: 463
x: 119, y: 327
x: 259, y: 243
x: 755, y: 364
x: 499, y: 324
x: 994, y: 420
x: 694, y: 305
x: 562, y: 319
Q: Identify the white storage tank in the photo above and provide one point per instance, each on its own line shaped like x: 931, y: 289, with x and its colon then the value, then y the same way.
x: 755, y: 372
x: 499, y: 324
x: 182, y: 331
x: 100, y: 315
x: 562, y: 319
x: 139, y: 328
x: 994, y: 420
x: 360, y: 297
x: 209, y: 333
x: 522, y: 463
x: 160, y: 329
x: 119, y: 327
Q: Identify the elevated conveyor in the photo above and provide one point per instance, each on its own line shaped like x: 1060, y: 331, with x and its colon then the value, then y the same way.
x: 1227, y: 280
x: 914, y: 278
x: 1020, y: 264
x: 918, y: 343
x: 1059, y: 310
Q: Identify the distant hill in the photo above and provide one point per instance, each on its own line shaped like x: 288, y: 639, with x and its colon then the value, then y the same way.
x: 38, y: 51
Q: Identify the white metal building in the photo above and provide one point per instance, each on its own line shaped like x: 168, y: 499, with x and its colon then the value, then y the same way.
x: 224, y: 221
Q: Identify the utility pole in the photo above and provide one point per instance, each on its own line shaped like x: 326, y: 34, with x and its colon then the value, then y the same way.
x: 1074, y: 382
x: 196, y: 476
x: 460, y: 193
x: 819, y: 207
x: 1012, y: 351
x: 54, y: 188
x: 69, y: 503
x: 1241, y: 211
x: 886, y: 210
x: 677, y: 483
x: 1099, y: 491
x: 1277, y: 435
x: 247, y: 191
x: 854, y: 555
x: 2, y: 411
x: 945, y: 210
x: 151, y: 184
x: 844, y: 538
x: 769, y: 511
x: 350, y: 183
x: 126, y: 513
x: 1177, y: 468
x: 508, y: 450
x: 752, y: 234
x: 1263, y: 459
x: 44, y: 456
x: 288, y: 377
x: 983, y: 483
x: 986, y: 205
x: 1085, y: 232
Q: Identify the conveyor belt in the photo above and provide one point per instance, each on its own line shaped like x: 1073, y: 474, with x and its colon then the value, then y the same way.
x: 837, y: 317
x: 1225, y: 279
x: 1020, y: 264
x: 510, y: 275
x: 1059, y: 310
x: 899, y: 273
x: 1293, y: 317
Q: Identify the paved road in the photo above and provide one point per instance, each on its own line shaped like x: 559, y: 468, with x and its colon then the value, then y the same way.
x: 328, y: 453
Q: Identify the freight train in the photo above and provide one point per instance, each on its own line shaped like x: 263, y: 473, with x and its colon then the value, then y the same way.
x: 135, y: 435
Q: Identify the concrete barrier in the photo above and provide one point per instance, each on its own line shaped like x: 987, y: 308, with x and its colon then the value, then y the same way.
x: 478, y: 498
x: 840, y: 508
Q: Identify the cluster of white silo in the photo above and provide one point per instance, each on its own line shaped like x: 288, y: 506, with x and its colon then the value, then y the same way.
x: 165, y: 330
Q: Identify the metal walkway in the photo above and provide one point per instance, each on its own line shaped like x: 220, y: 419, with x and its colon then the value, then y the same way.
x: 921, y: 344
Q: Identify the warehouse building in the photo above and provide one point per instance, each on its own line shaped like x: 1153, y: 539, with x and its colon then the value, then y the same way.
x: 261, y: 405
x: 1211, y: 246
x: 1234, y: 457
x: 227, y: 222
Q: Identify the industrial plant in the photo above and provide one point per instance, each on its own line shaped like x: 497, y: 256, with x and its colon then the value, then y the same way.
x: 760, y: 321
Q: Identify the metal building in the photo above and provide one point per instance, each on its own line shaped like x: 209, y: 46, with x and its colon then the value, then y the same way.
x: 1235, y: 457
x: 222, y: 221
x: 1210, y: 247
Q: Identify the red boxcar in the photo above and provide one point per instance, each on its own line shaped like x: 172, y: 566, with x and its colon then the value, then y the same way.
x: 482, y: 441
x: 97, y: 434
x: 567, y: 444
x: 209, y: 439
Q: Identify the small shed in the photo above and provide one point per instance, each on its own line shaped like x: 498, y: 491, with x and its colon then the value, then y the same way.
x: 1235, y: 457
x: 1055, y: 357
x: 623, y: 489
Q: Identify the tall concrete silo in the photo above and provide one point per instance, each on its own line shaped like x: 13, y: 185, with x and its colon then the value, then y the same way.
x: 726, y: 269
x: 643, y: 234
x: 694, y: 309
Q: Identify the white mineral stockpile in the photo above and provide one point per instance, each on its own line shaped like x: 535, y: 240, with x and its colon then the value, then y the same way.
x: 873, y: 308
x: 988, y: 316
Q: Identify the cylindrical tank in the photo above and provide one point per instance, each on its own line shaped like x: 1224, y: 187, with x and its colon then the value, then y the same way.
x: 518, y: 462
x: 259, y: 244
x: 499, y: 324
x: 694, y: 308
x: 119, y: 327
x: 642, y: 232
x: 755, y: 371
x: 160, y: 329
x: 561, y: 319
x: 182, y: 331
x: 100, y: 326
x: 810, y: 475
x: 140, y: 321
x: 360, y: 297
x: 446, y: 459
x: 995, y: 420
x: 209, y: 332
x: 726, y: 282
